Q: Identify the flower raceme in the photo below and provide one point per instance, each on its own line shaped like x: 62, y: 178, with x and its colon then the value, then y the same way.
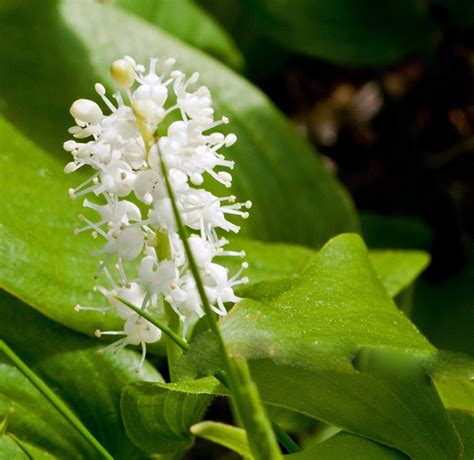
x: 125, y: 152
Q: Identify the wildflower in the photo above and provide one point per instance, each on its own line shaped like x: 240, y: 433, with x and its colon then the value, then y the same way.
x: 144, y: 258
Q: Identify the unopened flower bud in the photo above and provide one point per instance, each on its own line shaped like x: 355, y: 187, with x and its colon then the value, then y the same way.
x: 122, y: 73
x: 86, y: 111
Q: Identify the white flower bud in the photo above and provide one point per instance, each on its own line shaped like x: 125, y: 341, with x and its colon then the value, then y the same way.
x: 86, y: 111
x: 122, y: 73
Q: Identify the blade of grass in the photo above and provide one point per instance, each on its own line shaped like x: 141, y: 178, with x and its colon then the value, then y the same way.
x: 53, y: 399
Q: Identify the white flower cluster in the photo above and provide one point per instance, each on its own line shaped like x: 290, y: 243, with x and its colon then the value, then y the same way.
x: 124, y: 150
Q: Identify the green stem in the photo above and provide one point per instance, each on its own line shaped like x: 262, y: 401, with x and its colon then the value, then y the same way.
x: 285, y: 439
x: 158, y: 323
x: 53, y: 399
x: 173, y: 351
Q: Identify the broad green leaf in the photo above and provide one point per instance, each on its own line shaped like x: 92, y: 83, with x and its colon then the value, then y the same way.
x: 464, y: 422
x: 346, y: 32
x: 158, y: 417
x: 188, y: 22
x: 452, y: 374
x: 309, y: 337
x: 325, y: 348
x: 269, y: 260
x: 295, y: 198
x: 229, y: 436
x: 68, y: 362
x: 344, y: 446
x: 42, y: 263
x: 282, y: 263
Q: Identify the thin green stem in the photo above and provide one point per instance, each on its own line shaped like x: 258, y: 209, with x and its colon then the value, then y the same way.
x: 158, y: 323
x: 285, y: 439
x: 53, y: 399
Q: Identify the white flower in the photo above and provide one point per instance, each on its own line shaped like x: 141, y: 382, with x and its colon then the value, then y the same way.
x: 136, y: 218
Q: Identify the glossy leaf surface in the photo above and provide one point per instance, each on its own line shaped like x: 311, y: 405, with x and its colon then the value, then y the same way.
x: 275, y: 167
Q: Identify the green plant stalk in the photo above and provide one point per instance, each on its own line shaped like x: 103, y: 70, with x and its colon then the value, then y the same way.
x: 173, y: 351
x: 232, y: 376
x: 53, y: 399
x: 285, y: 439
x: 257, y: 425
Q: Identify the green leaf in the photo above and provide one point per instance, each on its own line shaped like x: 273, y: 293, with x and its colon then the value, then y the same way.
x: 43, y: 264
x: 90, y: 383
x: 283, y: 263
x: 335, y: 347
x: 295, y: 198
x: 346, y: 32
x: 397, y: 269
x: 188, y: 22
x: 464, y: 422
x: 309, y: 336
x: 347, y: 446
x: 158, y: 417
x: 452, y: 375
x: 226, y: 435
